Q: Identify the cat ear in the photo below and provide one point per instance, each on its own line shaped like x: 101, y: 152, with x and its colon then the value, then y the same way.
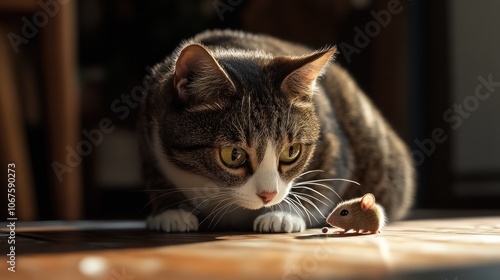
x: 302, y: 80
x: 198, y: 75
x: 367, y: 201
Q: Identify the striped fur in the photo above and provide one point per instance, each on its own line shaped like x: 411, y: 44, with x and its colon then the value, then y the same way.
x: 277, y: 100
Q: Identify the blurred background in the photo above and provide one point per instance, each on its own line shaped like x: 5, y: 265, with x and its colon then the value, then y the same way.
x: 69, y: 71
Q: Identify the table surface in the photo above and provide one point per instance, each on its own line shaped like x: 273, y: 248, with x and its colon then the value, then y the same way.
x: 458, y: 248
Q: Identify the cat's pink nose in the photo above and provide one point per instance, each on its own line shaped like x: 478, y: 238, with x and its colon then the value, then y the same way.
x: 267, y: 196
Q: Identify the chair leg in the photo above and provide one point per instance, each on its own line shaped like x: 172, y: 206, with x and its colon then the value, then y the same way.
x: 60, y: 71
x: 13, y: 146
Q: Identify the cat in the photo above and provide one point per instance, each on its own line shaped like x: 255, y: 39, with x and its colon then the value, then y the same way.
x: 248, y: 132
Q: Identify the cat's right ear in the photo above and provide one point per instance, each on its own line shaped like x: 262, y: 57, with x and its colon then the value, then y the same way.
x: 198, y: 76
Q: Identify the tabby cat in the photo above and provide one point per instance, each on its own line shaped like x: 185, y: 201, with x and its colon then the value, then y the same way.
x: 248, y: 132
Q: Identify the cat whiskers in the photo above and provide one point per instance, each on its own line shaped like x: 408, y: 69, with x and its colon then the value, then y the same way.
x: 220, y: 198
x: 221, y: 208
x: 209, y: 201
x: 179, y: 190
x: 299, y: 197
x: 293, y: 205
x: 225, y: 208
x: 317, y: 182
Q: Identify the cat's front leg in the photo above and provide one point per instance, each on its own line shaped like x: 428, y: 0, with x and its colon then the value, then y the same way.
x: 279, y: 222
x: 173, y: 220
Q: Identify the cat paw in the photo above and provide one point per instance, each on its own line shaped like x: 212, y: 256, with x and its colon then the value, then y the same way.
x: 173, y: 220
x: 278, y: 222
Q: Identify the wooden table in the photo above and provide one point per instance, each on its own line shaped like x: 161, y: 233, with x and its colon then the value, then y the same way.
x: 464, y: 248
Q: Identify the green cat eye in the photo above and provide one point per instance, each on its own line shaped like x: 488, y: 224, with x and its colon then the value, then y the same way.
x: 290, y: 153
x: 233, y: 156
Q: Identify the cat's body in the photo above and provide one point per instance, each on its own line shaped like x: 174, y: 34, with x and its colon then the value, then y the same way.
x: 234, y: 119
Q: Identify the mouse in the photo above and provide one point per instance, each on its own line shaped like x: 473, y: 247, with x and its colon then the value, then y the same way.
x: 362, y: 214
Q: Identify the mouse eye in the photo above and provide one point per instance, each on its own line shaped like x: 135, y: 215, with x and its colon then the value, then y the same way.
x: 344, y: 212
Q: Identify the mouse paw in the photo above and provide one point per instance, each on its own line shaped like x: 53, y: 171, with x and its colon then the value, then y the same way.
x: 278, y: 222
x: 173, y: 220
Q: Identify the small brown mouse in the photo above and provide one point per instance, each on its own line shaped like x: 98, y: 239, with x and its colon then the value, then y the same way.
x: 360, y: 214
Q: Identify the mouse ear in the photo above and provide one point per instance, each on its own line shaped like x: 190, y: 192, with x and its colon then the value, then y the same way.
x: 367, y: 201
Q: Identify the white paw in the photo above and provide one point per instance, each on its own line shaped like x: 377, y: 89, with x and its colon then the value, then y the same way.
x: 278, y: 222
x: 173, y: 220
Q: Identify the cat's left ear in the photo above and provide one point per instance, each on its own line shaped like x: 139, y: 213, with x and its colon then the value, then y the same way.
x: 305, y: 71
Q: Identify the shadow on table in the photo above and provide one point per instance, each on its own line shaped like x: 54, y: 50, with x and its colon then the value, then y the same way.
x: 331, y: 235
x: 86, y: 240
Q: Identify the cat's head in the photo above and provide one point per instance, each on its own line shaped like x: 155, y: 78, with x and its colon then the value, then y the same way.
x: 236, y: 124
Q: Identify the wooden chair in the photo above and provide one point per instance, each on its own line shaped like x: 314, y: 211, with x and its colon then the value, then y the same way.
x: 62, y: 106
